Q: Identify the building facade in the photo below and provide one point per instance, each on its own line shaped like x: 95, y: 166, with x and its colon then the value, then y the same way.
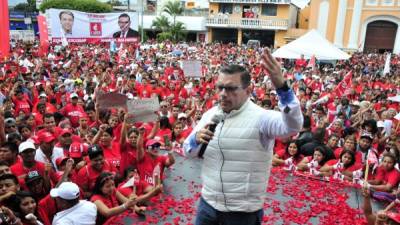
x: 367, y: 25
x: 238, y: 21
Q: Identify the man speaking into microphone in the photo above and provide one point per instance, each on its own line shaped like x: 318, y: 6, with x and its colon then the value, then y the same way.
x: 237, y: 158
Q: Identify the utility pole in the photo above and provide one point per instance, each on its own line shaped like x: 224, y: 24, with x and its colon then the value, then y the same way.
x: 141, y: 20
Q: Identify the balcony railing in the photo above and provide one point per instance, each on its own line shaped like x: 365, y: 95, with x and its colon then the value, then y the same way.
x: 253, y: 1
x: 260, y: 24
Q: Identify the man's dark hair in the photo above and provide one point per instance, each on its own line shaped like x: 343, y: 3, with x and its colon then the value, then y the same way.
x: 124, y: 15
x: 12, y: 146
x: 48, y: 115
x: 234, y: 69
x: 9, y: 177
x: 67, y: 13
x: 4, y: 163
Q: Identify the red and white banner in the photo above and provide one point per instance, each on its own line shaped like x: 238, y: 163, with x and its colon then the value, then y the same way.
x: 43, y: 34
x: 76, y: 26
x: 4, y: 30
x: 344, y: 86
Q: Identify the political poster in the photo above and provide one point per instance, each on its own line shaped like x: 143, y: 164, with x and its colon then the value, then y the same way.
x: 78, y: 26
x: 191, y: 68
x: 111, y: 100
x: 143, y: 110
x: 22, y: 35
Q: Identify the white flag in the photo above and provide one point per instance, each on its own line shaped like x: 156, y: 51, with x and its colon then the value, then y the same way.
x: 129, y: 183
x: 386, y: 69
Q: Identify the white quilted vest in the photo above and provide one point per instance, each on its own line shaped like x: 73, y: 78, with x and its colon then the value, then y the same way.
x: 236, y: 166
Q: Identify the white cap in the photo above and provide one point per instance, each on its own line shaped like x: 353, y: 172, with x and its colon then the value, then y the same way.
x: 25, y: 146
x: 73, y: 95
x: 380, y: 124
x: 182, y: 115
x: 43, y: 95
x: 66, y: 190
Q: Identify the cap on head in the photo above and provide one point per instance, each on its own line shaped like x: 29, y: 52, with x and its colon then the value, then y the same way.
x: 25, y: 146
x: 66, y: 190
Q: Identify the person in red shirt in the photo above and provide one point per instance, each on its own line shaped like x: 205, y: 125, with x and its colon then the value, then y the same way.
x: 21, y: 169
x: 290, y: 154
x: 149, y: 160
x: 111, y: 149
x: 108, y: 200
x: 73, y: 111
x: 343, y: 167
x: 387, y: 177
x: 21, y: 102
x: 88, y: 174
x: 128, y: 144
x: 9, y: 153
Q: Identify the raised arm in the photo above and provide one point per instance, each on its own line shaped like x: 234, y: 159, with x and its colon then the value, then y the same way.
x: 139, y: 145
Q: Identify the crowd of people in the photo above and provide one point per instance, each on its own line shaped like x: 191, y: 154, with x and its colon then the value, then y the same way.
x: 64, y: 157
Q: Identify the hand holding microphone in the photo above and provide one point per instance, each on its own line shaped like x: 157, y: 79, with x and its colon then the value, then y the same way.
x: 204, y: 135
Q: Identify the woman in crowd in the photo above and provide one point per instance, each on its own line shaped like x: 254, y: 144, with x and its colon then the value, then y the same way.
x: 387, y: 176
x: 108, y: 200
x: 315, y: 162
x: 290, y: 155
x: 341, y: 168
x: 26, y: 208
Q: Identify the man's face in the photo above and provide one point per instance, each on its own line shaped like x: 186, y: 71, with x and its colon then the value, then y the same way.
x: 365, y: 143
x: 6, y: 154
x: 49, y: 123
x: 231, y: 94
x: 4, y: 170
x: 28, y: 155
x: 7, y: 186
x: 124, y: 23
x: 67, y: 21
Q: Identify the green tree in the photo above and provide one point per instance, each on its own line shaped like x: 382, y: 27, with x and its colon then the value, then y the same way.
x: 30, y: 6
x: 176, y: 31
x: 92, y: 6
x: 161, y: 23
x: 173, y: 8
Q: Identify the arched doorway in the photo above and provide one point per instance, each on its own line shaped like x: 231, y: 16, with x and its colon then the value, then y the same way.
x: 380, y: 36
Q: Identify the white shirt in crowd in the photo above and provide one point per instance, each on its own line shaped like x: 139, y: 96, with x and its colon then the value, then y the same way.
x: 83, y: 213
x: 57, y: 153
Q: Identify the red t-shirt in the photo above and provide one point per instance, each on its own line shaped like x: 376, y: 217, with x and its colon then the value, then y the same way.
x: 388, y: 177
x: 110, y: 201
x: 128, y: 157
x: 351, y: 168
x: 147, y: 164
x: 20, y: 171
x: 358, y: 155
x: 284, y: 155
x: 112, y: 154
x: 22, y: 105
x: 127, y: 191
x: 47, y: 208
x: 73, y: 113
x: 87, y: 175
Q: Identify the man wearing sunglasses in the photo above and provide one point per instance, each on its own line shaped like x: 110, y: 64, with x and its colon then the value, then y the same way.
x: 238, y: 155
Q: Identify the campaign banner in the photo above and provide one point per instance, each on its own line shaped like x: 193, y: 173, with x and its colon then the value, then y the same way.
x: 143, y: 110
x: 111, y: 100
x: 23, y: 35
x: 191, y: 68
x: 76, y: 26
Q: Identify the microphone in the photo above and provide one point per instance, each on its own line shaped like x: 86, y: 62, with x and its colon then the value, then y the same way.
x: 216, y: 119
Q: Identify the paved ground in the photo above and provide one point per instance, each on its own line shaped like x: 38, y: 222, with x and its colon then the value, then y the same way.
x: 290, y: 200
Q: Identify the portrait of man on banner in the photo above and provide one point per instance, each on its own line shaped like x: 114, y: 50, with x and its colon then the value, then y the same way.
x: 67, y: 23
x: 124, y: 23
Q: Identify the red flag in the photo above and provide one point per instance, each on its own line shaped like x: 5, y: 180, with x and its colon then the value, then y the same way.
x: 311, y: 63
x: 344, y: 86
x: 43, y: 34
x: 4, y: 30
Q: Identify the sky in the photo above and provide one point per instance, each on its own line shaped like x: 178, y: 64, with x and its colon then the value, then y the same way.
x: 14, y: 2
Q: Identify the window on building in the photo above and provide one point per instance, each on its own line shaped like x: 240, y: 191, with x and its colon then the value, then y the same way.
x: 226, y: 8
x: 269, y: 10
x: 372, y: 2
x: 387, y: 2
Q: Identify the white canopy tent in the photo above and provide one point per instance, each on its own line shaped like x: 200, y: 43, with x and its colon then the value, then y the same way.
x: 312, y: 43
